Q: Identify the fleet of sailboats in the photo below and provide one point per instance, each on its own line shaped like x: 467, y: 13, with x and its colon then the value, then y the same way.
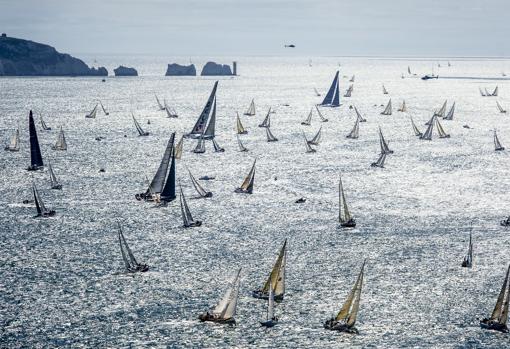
x: 499, y: 318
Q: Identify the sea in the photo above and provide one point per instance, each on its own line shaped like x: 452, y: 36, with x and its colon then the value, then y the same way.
x: 62, y: 279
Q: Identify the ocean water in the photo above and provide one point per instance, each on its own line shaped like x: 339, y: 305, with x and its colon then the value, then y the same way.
x: 62, y: 280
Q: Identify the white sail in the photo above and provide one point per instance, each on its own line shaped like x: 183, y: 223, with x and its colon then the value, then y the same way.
x: 308, y: 120
x: 387, y: 110
x: 384, y: 145
x: 403, y: 107
x: 343, y: 215
x: 160, y: 106
x: 200, y: 147
x: 61, y: 143
x: 417, y: 132
x: 316, y: 139
x: 251, y: 109
x: 449, y: 116
x: 440, y: 130
x: 178, y: 148
x: 380, y: 161
x: 230, y: 296
x: 428, y: 133
x: 441, y: 111
x: 270, y: 136
x: 354, y: 134
x: 53, y: 179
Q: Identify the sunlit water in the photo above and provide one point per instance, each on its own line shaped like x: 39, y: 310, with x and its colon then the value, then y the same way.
x: 62, y: 281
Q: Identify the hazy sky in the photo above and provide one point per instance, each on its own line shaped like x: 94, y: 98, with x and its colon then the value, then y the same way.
x: 262, y: 27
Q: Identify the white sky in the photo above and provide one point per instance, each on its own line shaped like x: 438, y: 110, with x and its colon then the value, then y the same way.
x: 262, y: 27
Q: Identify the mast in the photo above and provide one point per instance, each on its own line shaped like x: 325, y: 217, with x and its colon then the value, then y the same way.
x: 203, y: 119
x: 36, y: 160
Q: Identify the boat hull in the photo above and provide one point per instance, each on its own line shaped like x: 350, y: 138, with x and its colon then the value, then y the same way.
x: 57, y: 187
x: 35, y: 168
x: 269, y: 323
x: 50, y: 213
x: 193, y: 224
x: 334, y: 325
x: 211, y: 318
x: 351, y: 223
x: 242, y: 191
x: 494, y: 326
x: 10, y: 149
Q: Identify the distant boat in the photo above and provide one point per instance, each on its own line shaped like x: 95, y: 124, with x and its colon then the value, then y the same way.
x: 346, y: 317
x: 239, y: 126
x: 267, y: 120
x: 200, y: 190
x: 495, y: 93
x: 428, y: 133
x: 290, y: 46
x: 132, y: 266
x: 428, y: 77
x: 308, y: 119
x: 170, y: 112
x: 487, y: 93
x: 497, y: 144
x: 442, y: 110
x: 449, y: 64
x: 501, y: 110
x: 271, y: 319
x: 160, y: 106
x: 242, y: 148
x: 403, y: 107
x: 205, y: 125
x: 481, y: 92
x: 42, y: 211
x: 449, y: 116
x: 332, y: 98
x: 354, y: 134
x: 344, y: 216
x: 103, y: 108
x: 316, y: 92
x: 276, y: 278
x: 187, y: 218
x: 43, y: 125
x: 247, y: 186
x: 36, y: 161
x: 53, y: 179
x: 348, y: 93
x: 417, y: 132
x: 141, y: 132
x: 387, y: 110
x: 409, y: 70
x: 61, y: 143
x: 440, y: 130
x: 251, y: 109
x: 384, y: 91
x: 358, y: 114
x: 270, y: 136
x: 14, y: 142
x: 225, y: 309
x: 216, y: 146
x: 499, y: 317
x: 384, y: 145
x: 200, y: 147
x: 178, y: 148
x: 309, y: 149
x: 323, y: 119
x: 93, y: 112
x: 468, y: 259
x: 316, y: 139
x: 352, y: 78
x: 380, y: 161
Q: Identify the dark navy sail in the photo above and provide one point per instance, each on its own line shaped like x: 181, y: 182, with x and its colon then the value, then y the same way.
x: 168, y: 193
x: 332, y: 98
x: 36, y: 161
x: 202, y: 122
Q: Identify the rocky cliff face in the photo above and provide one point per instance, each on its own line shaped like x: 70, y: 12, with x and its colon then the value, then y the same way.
x: 181, y: 70
x: 211, y: 68
x: 20, y: 57
x: 125, y: 71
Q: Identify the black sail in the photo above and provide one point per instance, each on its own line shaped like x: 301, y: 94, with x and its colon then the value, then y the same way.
x: 35, y: 151
x: 158, y: 181
x: 168, y: 193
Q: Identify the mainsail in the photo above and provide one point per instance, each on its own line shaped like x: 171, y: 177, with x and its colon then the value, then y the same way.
x: 332, y: 98
x: 251, y: 109
x: 449, y: 116
x: 42, y: 211
x: 128, y: 257
x: 14, y: 142
x: 360, y: 118
x: 349, y: 311
x: 468, y: 259
x: 240, y: 128
x: 216, y: 146
x: 387, y: 110
x: 403, y: 107
x: 344, y: 216
x: 227, y: 306
x: 206, y: 118
x: 276, y: 279
x: 500, y: 312
x: 53, y: 179
x: 380, y: 161
x: 141, y: 132
x: 440, y: 130
x: 501, y: 110
x: 156, y: 186
x: 316, y: 139
x: 308, y: 120
x: 103, y: 108
x: 384, y: 145
x: 43, y: 125
x: 160, y: 106
x: 323, y: 119
x: 354, y: 134
x: 187, y: 218
x: 178, y: 148
x: 270, y: 136
x: 92, y: 113
x: 247, y: 186
x: 200, y: 190
x: 36, y: 161
x: 497, y: 144
x: 61, y: 141
x: 242, y: 148
x: 267, y: 119
x: 417, y: 132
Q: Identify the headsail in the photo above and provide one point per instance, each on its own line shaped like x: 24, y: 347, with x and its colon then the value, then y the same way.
x: 251, y: 109
x: 332, y: 98
x: 203, y: 120
x: 387, y: 110
x: 36, y: 161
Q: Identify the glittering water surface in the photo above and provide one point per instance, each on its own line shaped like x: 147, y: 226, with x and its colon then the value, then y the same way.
x: 62, y: 280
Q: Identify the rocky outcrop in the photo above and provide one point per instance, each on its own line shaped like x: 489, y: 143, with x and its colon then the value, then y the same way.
x: 20, y: 57
x: 125, y: 71
x: 211, y: 68
x: 175, y: 69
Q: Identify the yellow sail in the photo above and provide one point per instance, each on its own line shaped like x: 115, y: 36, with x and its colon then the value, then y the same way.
x: 348, y: 311
x: 274, y: 276
x: 240, y: 128
x: 351, y: 320
x: 249, y: 178
x: 178, y: 149
x: 498, y: 309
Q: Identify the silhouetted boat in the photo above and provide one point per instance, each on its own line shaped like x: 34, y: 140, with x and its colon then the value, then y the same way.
x: 239, y: 126
x: 380, y: 162
x: 449, y: 116
x: 139, y: 129
x: 36, y: 161
x: 103, y: 108
x: 242, y: 148
x: 53, y: 179
x: 92, y: 114
x: 132, y: 266
x: 354, y: 134
x: 216, y: 146
x: 200, y: 190
x: 497, y: 144
x: 308, y: 119
x: 387, y: 110
x: 316, y: 139
x: 358, y: 114
x: 309, y: 149
x: 270, y: 136
x: 43, y: 125
x: 384, y: 91
x: 417, y: 132
x: 205, y: 125
x: 267, y: 120
x: 251, y: 109
x: 332, y: 98
x: 276, y: 279
x: 187, y: 218
x: 160, y: 106
x: 499, y: 317
x: 500, y: 108
x: 384, y: 145
x: 170, y: 112
x: 61, y: 143
x: 467, y: 262
x: 344, y: 216
x: 42, y: 211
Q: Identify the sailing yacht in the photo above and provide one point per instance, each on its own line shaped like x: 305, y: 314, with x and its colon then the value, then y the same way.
x: 344, y: 216
x: 495, y: 92
x: 251, y: 109
x: 403, y: 107
x: 200, y: 190
x: 43, y: 125
x: 468, y: 259
x: 387, y: 110
x: 53, y: 179
x: 316, y: 139
x: 276, y: 279
x: 441, y: 111
x: 187, y: 218
x: 309, y: 149
x: 103, y: 108
x: 316, y: 92
x: 14, y: 142
x: 216, y: 146
x: 346, y: 317
x: 358, y: 115
x: 170, y: 112
x: 271, y: 319
x: 178, y: 148
x: 384, y: 91
x: 36, y: 161
x: 160, y: 106
x: 200, y: 147
x: 270, y: 136
x: 499, y: 317
x: 497, y: 144
x: 132, y: 266
x: 440, y: 130
x: 449, y: 116
x: 225, y: 310
x: 267, y: 120
x: 61, y: 141
x: 481, y: 92
x: 384, y: 145
x: 354, y: 134
x: 417, y: 132
x: 380, y: 161
x: 92, y: 114
x: 42, y: 211
x: 332, y: 98
x: 323, y: 119
x: 205, y: 125
x: 141, y: 132
x: 239, y: 126
x: 247, y: 185
x: 308, y: 120
x: 501, y: 110
x: 348, y: 92
x: 242, y: 148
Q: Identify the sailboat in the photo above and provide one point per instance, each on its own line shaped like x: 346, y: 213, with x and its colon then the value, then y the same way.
x: 487, y: 93
x: 441, y: 111
x: 178, y: 148
x: 358, y: 114
x: 271, y: 319
x: 92, y: 114
x: 43, y: 125
x: 495, y: 92
x: 205, y: 125
x: 468, y: 259
x: 332, y: 98
x: 308, y: 120
x: 346, y: 317
x: 240, y: 128
x: 449, y: 116
x: 352, y: 78
x: 160, y: 106
x: 316, y: 139
x: 200, y: 147
x: 384, y: 91
x: 36, y: 161
x: 384, y: 145
x: 323, y: 119
x: 247, y: 186
x: 170, y: 112
x: 499, y: 317
x: 141, y: 132
x: 14, y: 142
x: 403, y: 107
x: 501, y: 110
x: 276, y: 279
x: 380, y: 161
x: 216, y: 146
x: 481, y: 92
x: 103, y: 108
x: 387, y: 110
x: 225, y: 310
x: 187, y: 218
x: 497, y: 144
x: 309, y: 149
x: 61, y: 141
x: 428, y: 133
x: 344, y: 216
x: 53, y: 179
x: 270, y: 136
x: 132, y: 266
x: 409, y: 70
x: 354, y: 134
x: 157, y: 187
x: 440, y: 130
x: 348, y: 92
x: 251, y: 109
x: 200, y: 190
x: 242, y: 148
x: 417, y: 132
x: 316, y: 92
x: 267, y: 119
x: 42, y: 211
